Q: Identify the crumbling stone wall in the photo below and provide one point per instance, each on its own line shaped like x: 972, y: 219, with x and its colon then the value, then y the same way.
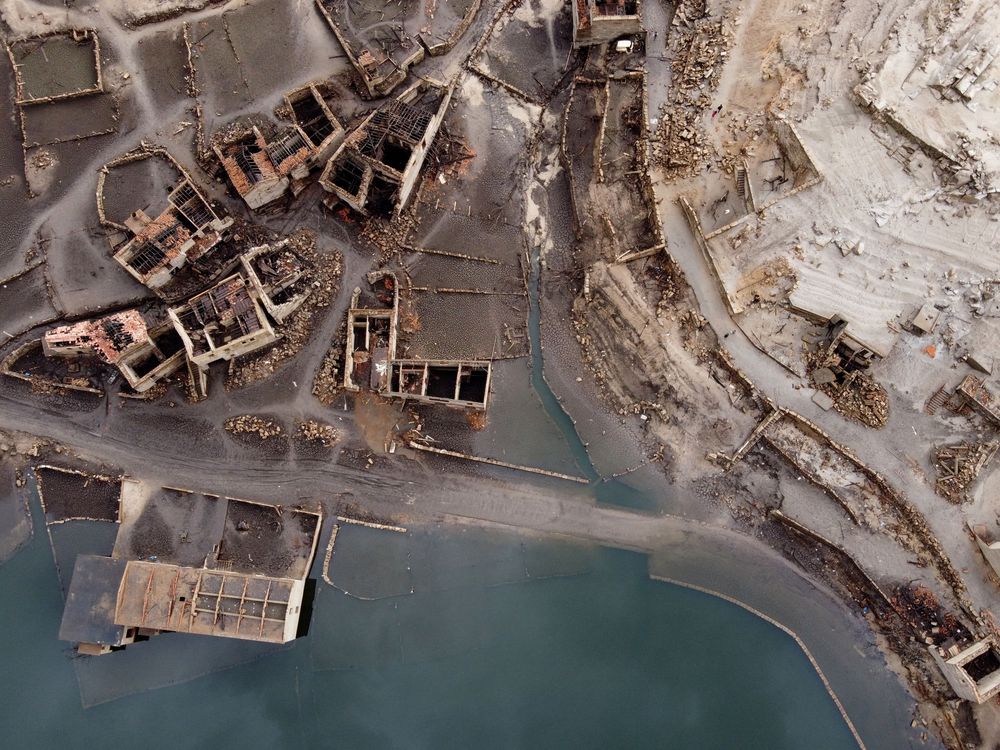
x: 805, y: 173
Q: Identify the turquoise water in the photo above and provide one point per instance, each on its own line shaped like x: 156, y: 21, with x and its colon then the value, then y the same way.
x: 523, y: 644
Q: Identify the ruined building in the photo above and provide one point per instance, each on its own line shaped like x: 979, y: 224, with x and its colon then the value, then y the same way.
x: 372, y: 364
x: 108, y: 338
x: 602, y: 21
x: 112, y: 601
x: 115, y: 601
x: 278, y: 277
x: 162, y: 597
x: 185, y: 231
x: 222, y: 322
x: 142, y: 356
x: 973, y: 672
x: 263, y: 170
x: 238, y: 315
x: 232, y: 318
x: 377, y: 166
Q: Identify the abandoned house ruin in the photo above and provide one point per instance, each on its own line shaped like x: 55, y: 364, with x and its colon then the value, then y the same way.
x: 377, y: 166
x: 238, y: 315
x: 115, y: 601
x: 108, y: 338
x: 234, y: 317
x: 162, y: 597
x: 264, y: 169
x: 279, y: 278
x: 974, y: 671
x: 371, y: 362
x: 112, y: 601
x: 221, y: 323
x: 185, y: 231
x: 603, y: 21
x: 143, y: 356
x: 839, y: 354
x: 458, y: 384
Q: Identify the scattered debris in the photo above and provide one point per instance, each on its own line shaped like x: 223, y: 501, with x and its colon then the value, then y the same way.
x: 959, y: 465
x: 250, y: 424
x: 317, y: 432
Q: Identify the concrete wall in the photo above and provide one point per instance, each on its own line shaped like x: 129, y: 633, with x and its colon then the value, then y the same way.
x: 959, y: 679
x: 795, y: 151
x: 412, y: 172
x: 264, y: 192
x: 238, y: 347
x: 604, y: 29
x: 141, y: 384
x: 443, y: 48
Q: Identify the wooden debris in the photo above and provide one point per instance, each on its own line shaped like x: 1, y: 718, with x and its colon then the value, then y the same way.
x: 959, y: 465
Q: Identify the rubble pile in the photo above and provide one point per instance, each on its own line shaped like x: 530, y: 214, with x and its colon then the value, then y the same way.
x: 860, y: 398
x: 327, y: 384
x: 921, y: 608
x: 476, y: 419
x: 698, y: 337
x: 448, y: 156
x: 158, y: 391
x: 668, y: 276
x: 240, y: 129
x: 317, y: 432
x: 250, y: 424
x: 958, y: 466
x: 700, y: 47
x: 388, y: 236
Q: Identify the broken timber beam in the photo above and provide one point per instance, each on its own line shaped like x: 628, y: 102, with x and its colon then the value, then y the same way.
x: 758, y: 432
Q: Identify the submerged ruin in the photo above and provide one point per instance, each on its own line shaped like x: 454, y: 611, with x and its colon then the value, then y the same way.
x: 114, y: 601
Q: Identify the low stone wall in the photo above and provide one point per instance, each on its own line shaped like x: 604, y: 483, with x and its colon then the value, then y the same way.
x: 443, y: 48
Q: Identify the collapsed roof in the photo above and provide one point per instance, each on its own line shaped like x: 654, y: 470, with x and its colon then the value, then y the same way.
x: 377, y: 166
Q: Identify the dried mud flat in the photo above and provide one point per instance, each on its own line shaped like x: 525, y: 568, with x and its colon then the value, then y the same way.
x: 68, y: 494
x: 266, y: 540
